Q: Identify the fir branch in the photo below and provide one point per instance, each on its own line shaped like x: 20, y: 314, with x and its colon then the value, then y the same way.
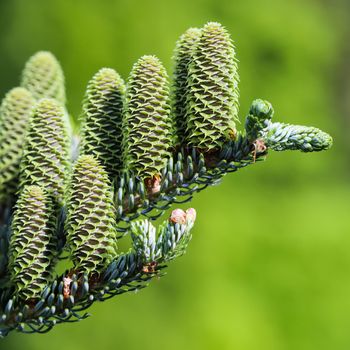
x: 68, y: 295
x: 186, y: 173
x: 157, y: 158
x: 190, y: 171
x: 282, y: 137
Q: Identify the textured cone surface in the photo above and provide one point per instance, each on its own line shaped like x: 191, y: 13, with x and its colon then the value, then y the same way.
x: 90, y: 224
x: 147, y: 124
x: 182, y: 58
x: 43, y: 77
x: 46, y: 150
x: 15, y: 111
x: 102, y: 120
x: 212, y: 103
x: 32, y: 243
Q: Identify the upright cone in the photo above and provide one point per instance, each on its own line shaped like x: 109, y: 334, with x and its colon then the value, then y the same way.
x: 15, y: 111
x: 102, y: 120
x: 183, y: 55
x: 147, y: 123
x: 90, y: 224
x: 32, y: 243
x: 212, y: 103
x: 43, y: 77
x: 45, y: 160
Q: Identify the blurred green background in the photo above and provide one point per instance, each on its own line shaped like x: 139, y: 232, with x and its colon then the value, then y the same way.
x: 269, y: 264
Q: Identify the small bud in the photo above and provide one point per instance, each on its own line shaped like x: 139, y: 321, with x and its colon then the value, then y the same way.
x: 262, y: 109
x: 153, y: 183
x: 259, y: 117
x: 178, y: 216
x: 260, y: 146
x: 191, y: 214
x: 66, y: 287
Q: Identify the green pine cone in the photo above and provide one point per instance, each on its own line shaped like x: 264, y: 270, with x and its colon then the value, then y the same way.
x: 43, y: 77
x: 212, y: 102
x: 90, y: 224
x: 281, y: 137
x: 147, y: 125
x: 45, y: 160
x: 15, y: 111
x: 185, y: 47
x: 32, y: 243
x: 102, y: 120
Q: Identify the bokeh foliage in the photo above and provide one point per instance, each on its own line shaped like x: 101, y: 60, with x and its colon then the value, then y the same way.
x: 269, y: 264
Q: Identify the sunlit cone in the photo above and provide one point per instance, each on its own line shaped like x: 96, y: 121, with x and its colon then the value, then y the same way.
x: 43, y: 77
x: 212, y: 102
x: 15, y: 111
x: 102, y: 120
x: 147, y: 125
x: 90, y: 224
x: 185, y: 47
x: 46, y: 150
x: 32, y: 243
